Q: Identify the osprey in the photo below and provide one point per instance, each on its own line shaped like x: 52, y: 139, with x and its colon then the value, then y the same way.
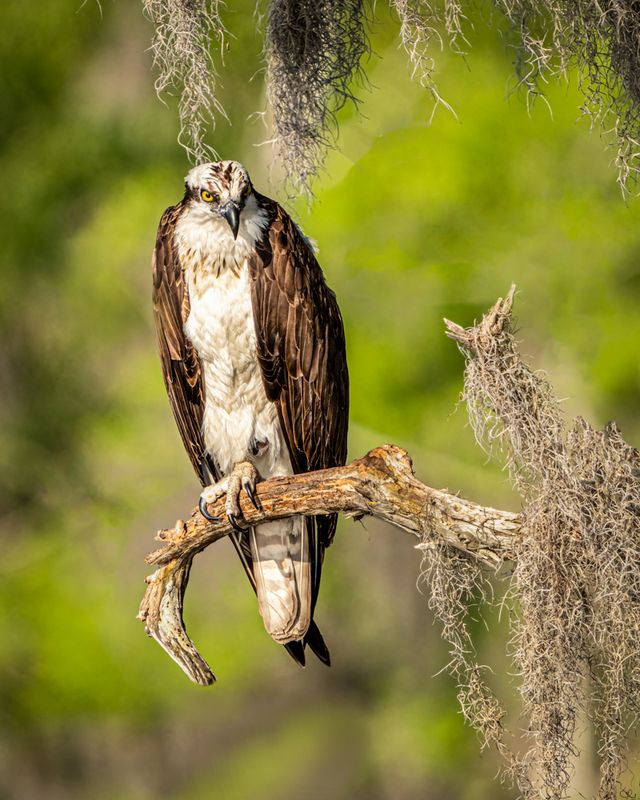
x: 253, y: 355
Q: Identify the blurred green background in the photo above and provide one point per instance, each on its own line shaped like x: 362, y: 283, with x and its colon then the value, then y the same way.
x: 414, y: 223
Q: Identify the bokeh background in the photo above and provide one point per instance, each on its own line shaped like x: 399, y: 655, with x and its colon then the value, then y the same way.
x: 414, y: 222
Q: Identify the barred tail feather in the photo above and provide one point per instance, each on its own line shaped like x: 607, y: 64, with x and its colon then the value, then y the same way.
x: 317, y: 644
x: 282, y: 567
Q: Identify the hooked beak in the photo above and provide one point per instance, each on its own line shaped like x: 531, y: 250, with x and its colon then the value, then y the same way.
x: 231, y: 212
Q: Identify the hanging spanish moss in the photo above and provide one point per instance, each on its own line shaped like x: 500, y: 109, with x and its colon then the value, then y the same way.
x: 314, y: 50
x: 600, y: 40
x: 576, y: 583
x: 185, y: 32
x: 423, y: 23
x: 457, y: 587
x: 314, y: 53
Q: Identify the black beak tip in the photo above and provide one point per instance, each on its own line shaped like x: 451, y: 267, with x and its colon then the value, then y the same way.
x: 231, y: 212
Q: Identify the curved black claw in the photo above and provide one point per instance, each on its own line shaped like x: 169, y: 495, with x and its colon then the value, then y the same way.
x: 253, y: 496
x: 203, y: 510
x: 234, y: 523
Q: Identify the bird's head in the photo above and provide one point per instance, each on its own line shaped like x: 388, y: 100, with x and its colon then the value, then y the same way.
x: 221, y: 188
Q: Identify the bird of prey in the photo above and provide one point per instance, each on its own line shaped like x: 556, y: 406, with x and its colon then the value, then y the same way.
x: 253, y: 355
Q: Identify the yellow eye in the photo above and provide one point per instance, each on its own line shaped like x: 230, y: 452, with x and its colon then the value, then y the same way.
x: 207, y: 196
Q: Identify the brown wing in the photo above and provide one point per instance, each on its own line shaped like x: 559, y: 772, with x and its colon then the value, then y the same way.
x: 301, y: 350
x: 180, y: 363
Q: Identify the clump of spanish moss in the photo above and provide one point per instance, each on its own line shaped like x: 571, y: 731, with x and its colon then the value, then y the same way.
x: 457, y: 584
x: 576, y: 580
x: 314, y: 49
x: 599, y: 40
x: 422, y: 23
x: 184, y: 33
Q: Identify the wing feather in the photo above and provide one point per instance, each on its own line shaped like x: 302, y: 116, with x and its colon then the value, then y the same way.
x: 301, y: 349
x: 180, y: 363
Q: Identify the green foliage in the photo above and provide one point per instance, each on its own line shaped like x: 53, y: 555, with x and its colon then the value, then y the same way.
x: 414, y: 223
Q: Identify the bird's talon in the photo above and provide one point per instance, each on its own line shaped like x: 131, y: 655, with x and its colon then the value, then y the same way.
x: 252, y: 496
x: 202, y: 505
x: 234, y: 523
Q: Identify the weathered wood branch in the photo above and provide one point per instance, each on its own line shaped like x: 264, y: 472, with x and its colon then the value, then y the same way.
x: 381, y: 484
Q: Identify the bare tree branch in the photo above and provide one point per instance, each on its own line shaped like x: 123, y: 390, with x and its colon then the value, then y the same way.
x: 381, y: 484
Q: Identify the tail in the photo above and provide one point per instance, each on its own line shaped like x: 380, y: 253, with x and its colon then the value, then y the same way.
x: 316, y: 643
x: 314, y: 639
x: 313, y: 636
x: 282, y: 566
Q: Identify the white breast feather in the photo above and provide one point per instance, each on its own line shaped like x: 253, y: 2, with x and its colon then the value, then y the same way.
x: 220, y: 326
